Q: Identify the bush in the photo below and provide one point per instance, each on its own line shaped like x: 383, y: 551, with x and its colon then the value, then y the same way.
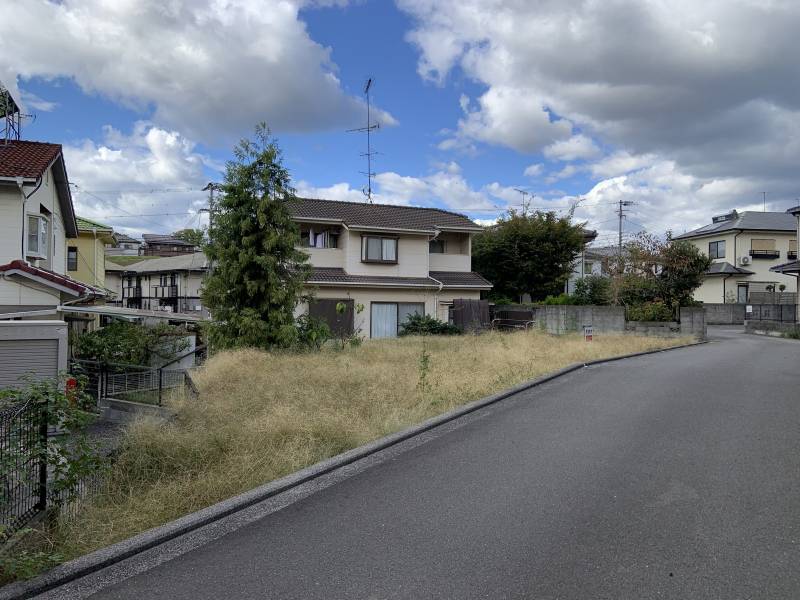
x: 650, y: 311
x: 560, y: 300
x: 426, y: 325
x: 312, y: 332
x: 594, y: 289
x: 124, y: 342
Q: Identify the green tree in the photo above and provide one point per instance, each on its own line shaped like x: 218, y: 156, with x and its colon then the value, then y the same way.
x: 192, y: 236
x: 531, y: 254
x: 257, y: 272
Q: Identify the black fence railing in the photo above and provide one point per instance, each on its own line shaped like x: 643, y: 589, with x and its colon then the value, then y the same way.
x: 23, y: 465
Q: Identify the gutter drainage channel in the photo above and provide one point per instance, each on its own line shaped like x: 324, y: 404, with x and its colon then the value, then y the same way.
x: 100, y: 559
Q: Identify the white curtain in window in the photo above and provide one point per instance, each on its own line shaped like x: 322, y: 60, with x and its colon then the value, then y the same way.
x: 389, y: 249
x: 383, y: 319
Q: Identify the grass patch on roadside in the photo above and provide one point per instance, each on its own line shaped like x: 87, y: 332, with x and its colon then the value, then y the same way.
x: 264, y: 415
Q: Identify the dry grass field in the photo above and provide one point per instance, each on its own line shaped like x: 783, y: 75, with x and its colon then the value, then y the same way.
x: 263, y: 415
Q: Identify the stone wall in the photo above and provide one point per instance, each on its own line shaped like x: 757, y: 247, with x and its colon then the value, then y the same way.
x: 563, y: 319
x: 724, y: 314
x: 693, y: 321
x: 770, y: 327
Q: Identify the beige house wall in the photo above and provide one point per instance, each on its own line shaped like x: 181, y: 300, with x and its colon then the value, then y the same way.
x: 412, y: 257
x: 91, y: 259
x: 711, y: 289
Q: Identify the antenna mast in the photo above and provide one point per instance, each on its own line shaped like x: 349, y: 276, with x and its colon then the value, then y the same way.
x: 621, y: 214
x: 369, y: 153
x: 11, y: 125
x: 524, y: 205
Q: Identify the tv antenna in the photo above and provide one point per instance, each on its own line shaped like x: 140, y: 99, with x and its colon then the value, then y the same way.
x: 11, y: 116
x: 524, y: 194
x: 369, y: 153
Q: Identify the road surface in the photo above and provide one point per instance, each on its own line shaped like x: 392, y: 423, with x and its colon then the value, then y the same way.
x: 673, y: 475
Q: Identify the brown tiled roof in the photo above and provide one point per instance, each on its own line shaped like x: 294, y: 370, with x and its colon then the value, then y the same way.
x: 26, y: 159
x: 23, y: 268
x: 157, y: 238
x: 387, y: 216
x: 460, y: 278
x: 334, y: 276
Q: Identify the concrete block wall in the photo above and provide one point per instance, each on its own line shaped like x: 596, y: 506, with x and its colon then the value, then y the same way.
x: 693, y: 321
x: 724, y: 314
x: 562, y: 319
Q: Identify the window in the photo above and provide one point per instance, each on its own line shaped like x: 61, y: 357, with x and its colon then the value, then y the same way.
x: 72, y: 258
x: 313, y: 238
x: 587, y: 268
x: 378, y: 249
x: 763, y: 248
x: 436, y: 246
x: 792, y: 250
x: 716, y: 249
x: 387, y: 317
x: 38, y: 235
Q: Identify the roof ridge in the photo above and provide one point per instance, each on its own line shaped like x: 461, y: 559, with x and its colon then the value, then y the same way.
x: 404, y: 206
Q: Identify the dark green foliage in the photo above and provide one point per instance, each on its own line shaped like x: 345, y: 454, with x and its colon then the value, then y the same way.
x: 593, y: 289
x: 312, y: 332
x: 417, y: 324
x: 650, y: 311
x: 531, y: 254
x: 258, y: 272
x: 561, y: 299
x: 684, y: 267
x: 130, y: 343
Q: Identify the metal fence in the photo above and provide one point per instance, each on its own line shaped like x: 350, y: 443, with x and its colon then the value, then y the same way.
x: 23, y: 465
x: 782, y: 313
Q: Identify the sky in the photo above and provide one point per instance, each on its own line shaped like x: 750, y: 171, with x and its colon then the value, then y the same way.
x: 685, y: 109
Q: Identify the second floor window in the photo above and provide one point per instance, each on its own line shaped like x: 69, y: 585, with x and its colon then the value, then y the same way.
x: 72, y: 258
x: 38, y: 235
x: 763, y: 248
x: 378, y: 249
x: 716, y: 249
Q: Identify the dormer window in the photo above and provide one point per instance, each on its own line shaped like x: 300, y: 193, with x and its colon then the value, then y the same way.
x: 379, y: 249
x: 38, y: 236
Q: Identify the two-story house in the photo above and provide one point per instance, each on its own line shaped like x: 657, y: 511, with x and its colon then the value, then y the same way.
x: 169, y: 283
x: 123, y: 245
x: 37, y: 219
x: 744, y: 247
x: 86, y: 254
x: 165, y: 245
x: 392, y: 260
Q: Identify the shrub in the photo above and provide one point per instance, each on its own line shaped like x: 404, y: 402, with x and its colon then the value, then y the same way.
x: 130, y: 343
x: 650, y: 311
x: 560, y: 299
x: 426, y: 325
x: 312, y: 332
x: 594, y: 289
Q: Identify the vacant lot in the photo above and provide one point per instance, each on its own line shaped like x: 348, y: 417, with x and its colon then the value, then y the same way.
x: 263, y: 415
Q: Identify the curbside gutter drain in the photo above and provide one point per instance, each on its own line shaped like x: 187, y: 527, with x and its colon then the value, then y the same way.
x: 104, y: 557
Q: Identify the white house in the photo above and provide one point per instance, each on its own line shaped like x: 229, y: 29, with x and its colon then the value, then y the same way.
x: 36, y: 219
x: 392, y: 260
x: 744, y: 247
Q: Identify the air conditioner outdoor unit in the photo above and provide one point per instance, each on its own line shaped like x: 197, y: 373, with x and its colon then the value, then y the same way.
x: 744, y: 260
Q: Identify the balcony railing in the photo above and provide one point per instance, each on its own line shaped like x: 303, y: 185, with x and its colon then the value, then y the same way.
x: 132, y: 292
x: 165, y: 291
x: 765, y: 253
x: 792, y: 255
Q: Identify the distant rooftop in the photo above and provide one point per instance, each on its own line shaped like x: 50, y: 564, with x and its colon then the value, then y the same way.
x: 156, y: 238
x: 387, y: 216
x: 196, y: 261
x: 85, y: 224
x: 748, y: 220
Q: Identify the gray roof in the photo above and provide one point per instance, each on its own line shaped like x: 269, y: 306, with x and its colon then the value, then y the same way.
x: 126, y: 239
x: 196, y: 261
x: 750, y: 220
x: 382, y: 216
x: 726, y: 268
x: 450, y: 279
x: 603, y: 251
x: 157, y: 238
x: 789, y: 267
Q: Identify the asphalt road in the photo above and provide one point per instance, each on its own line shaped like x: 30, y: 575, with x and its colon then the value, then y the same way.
x: 674, y: 475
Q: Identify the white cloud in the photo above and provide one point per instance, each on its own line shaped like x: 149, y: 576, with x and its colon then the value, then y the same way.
x: 533, y: 170
x: 210, y: 68
x: 565, y: 173
x: 29, y: 99
x: 115, y: 180
x: 577, y: 147
x: 707, y: 87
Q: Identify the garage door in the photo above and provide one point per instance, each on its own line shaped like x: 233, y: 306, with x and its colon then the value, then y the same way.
x: 39, y: 358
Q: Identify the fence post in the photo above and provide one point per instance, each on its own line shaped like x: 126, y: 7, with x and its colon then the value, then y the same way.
x: 42, y: 503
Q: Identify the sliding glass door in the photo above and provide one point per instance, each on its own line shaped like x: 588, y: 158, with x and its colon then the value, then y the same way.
x: 387, y: 317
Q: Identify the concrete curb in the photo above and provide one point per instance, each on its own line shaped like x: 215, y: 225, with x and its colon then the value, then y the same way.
x: 115, y: 553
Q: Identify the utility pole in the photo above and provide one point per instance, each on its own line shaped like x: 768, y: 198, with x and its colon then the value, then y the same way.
x: 764, y: 194
x: 211, y: 187
x: 621, y: 214
x: 523, y: 193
